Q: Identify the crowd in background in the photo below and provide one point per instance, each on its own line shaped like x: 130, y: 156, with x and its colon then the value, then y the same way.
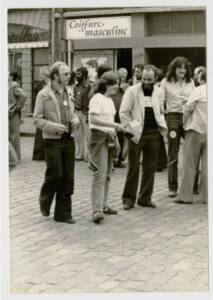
x: 109, y: 121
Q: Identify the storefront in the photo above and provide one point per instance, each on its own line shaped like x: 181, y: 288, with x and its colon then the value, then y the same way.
x: 28, y: 35
x: 125, y: 37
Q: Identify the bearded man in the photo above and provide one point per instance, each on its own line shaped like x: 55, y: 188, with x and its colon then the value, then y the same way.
x: 140, y: 114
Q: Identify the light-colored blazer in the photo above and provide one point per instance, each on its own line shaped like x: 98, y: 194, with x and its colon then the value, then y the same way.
x: 47, y: 112
x: 132, y: 111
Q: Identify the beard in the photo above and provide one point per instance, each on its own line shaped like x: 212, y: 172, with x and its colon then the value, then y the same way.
x: 147, y: 89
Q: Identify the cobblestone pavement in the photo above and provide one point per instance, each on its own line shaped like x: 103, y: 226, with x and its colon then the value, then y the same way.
x: 142, y: 250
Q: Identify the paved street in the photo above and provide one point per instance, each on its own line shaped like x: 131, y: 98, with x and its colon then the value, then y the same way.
x: 143, y: 250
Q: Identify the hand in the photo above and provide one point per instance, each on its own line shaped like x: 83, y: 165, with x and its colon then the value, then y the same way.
x: 60, y: 128
x: 119, y: 127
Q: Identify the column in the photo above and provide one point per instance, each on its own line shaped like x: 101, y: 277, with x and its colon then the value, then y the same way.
x: 27, y: 79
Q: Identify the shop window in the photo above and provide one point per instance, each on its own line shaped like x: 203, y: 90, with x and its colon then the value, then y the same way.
x: 199, y: 22
x: 158, y: 24
x: 40, y: 56
x: 15, y: 63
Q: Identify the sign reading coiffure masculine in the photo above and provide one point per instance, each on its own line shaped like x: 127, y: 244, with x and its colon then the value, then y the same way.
x: 98, y: 28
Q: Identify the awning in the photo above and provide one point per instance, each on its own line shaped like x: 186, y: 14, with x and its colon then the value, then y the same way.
x: 41, y: 44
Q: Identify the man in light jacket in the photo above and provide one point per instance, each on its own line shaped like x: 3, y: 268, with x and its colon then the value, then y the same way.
x: 54, y: 115
x: 140, y: 114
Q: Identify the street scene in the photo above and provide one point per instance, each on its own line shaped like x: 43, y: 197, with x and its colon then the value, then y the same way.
x: 108, y: 169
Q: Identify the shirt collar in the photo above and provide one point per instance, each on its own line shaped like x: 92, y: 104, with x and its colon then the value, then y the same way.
x: 55, y: 88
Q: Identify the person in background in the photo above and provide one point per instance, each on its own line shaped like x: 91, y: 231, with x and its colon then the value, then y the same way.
x: 16, y: 100
x: 195, y: 145
x: 137, y: 75
x: 162, y: 155
x: 140, y: 113
x: 197, y: 70
x: 54, y: 115
x: 13, y: 158
x: 117, y: 99
x: 38, y: 148
x: 72, y: 82
x: 92, y: 66
x: 176, y: 88
x: 81, y: 96
x: 100, y: 71
x: 102, y: 143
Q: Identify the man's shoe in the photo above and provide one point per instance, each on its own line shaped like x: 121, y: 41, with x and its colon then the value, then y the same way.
x: 172, y: 194
x: 119, y: 164
x: 110, y: 211
x: 182, y: 202
x: 68, y: 221
x: 97, y: 217
x: 127, y: 206
x: 196, y: 192
x: 44, y: 212
x: 148, y: 204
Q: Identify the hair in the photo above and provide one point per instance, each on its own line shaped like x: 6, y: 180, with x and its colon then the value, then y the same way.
x: 200, y: 69
x: 93, y: 63
x: 122, y: 72
x: 152, y: 68
x: 107, y: 79
x: 203, y: 75
x: 84, y: 71
x: 139, y: 66
x: 102, y: 69
x: 72, y: 77
x: 15, y: 76
x: 54, y: 69
x: 176, y: 63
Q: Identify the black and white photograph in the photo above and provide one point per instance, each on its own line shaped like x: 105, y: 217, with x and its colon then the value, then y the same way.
x: 107, y: 147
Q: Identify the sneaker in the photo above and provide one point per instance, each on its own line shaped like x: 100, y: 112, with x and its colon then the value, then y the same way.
x: 97, y: 216
x: 148, y: 204
x: 109, y: 211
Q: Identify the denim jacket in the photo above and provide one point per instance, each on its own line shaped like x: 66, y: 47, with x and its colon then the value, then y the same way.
x: 47, y: 112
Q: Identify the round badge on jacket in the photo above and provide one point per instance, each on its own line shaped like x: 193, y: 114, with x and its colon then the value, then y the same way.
x: 173, y: 134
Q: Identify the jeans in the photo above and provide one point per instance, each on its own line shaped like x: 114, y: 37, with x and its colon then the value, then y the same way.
x: 149, y: 146
x: 59, y: 176
x: 175, y: 132
x: 194, y: 150
x: 14, y: 133
x: 101, y: 177
x: 82, y: 136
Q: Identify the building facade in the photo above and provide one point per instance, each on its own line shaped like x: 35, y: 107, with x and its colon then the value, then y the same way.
x: 124, y: 37
x: 28, y: 48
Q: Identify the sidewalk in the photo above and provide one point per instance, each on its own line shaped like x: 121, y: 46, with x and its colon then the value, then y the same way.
x: 142, y: 250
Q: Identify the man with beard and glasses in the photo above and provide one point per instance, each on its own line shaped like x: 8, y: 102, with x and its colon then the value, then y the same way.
x: 54, y: 115
x: 141, y: 114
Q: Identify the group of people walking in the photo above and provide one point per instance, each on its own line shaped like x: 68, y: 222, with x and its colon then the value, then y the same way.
x: 111, y: 121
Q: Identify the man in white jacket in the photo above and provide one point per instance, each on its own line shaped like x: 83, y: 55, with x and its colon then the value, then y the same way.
x: 141, y: 114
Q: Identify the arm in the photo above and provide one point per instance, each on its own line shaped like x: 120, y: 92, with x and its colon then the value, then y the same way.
x: 96, y: 120
x: 190, y: 105
x: 21, y: 98
x: 162, y: 92
x: 126, y: 108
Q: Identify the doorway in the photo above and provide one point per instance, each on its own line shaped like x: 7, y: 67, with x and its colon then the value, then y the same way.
x: 124, y: 60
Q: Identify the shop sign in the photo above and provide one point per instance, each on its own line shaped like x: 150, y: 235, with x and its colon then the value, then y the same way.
x: 23, y: 34
x: 98, y: 28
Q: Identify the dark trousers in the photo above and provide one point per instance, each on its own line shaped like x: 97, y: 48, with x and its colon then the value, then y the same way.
x: 59, y: 176
x: 175, y: 132
x: 38, y: 148
x: 149, y: 147
x: 162, y: 156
